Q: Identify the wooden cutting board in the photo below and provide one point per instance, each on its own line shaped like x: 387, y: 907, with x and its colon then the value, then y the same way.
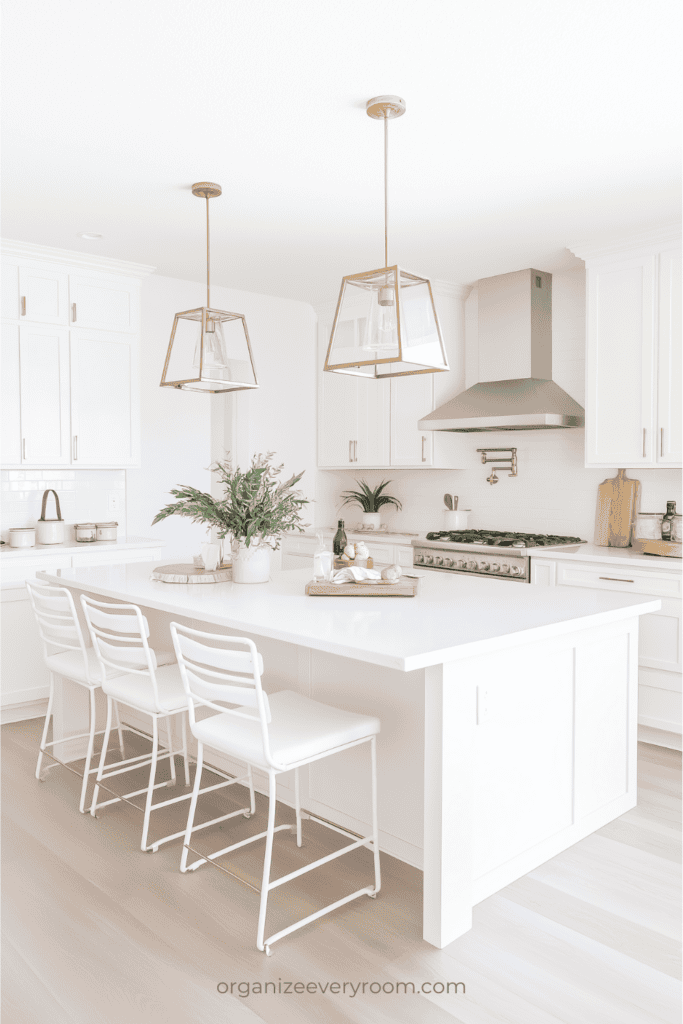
x: 191, y: 574
x: 406, y: 587
x: 618, y: 503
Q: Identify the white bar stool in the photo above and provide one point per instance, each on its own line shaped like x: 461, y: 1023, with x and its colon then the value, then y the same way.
x: 66, y: 655
x: 275, y: 733
x: 119, y: 634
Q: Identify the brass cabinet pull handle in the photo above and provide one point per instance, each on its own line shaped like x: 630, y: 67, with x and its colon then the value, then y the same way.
x: 350, y: 451
x: 644, y: 435
x: 424, y: 457
x: 75, y: 447
x: 614, y: 579
x: 23, y: 448
x: 73, y: 312
x: 23, y: 305
x: 355, y: 451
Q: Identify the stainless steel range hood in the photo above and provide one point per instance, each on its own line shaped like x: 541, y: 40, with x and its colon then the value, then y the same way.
x: 514, y: 345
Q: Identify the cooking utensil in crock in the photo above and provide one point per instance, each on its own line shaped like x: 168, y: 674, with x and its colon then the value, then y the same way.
x: 448, y: 502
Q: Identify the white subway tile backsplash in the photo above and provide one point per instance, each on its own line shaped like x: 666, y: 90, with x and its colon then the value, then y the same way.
x: 83, y: 496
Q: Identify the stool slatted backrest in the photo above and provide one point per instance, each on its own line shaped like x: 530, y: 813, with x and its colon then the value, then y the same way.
x: 119, y: 635
x: 57, y: 620
x: 212, y: 673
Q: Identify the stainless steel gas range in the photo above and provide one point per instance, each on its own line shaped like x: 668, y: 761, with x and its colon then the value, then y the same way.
x: 485, y: 552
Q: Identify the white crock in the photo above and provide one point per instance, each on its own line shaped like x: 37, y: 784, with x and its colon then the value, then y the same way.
x: 372, y: 520
x: 250, y: 564
x: 22, y: 537
x: 456, y: 520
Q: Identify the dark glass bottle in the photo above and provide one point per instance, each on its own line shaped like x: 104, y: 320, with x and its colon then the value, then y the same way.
x: 668, y: 519
x: 339, y: 542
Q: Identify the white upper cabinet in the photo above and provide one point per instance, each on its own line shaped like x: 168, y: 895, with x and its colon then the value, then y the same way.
x: 10, y: 406
x: 43, y: 296
x: 44, y: 362
x: 411, y: 399
x: 633, y: 357
x: 70, y: 386
x: 103, y: 398
x: 368, y: 423
x: 669, y: 423
x: 103, y: 304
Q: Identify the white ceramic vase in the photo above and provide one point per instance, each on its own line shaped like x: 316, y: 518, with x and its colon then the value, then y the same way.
x: 372, y: 520
x: 250, y: 564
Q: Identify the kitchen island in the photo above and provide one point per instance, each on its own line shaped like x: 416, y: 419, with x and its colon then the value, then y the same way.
x: 508, y: 711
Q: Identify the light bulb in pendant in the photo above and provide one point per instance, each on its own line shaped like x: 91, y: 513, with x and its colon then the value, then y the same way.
x: 382, y: 332
x: 215, y: 353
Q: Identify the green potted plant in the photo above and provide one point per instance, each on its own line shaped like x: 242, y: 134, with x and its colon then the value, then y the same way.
x: 371, y: 500
x: 255, y: 511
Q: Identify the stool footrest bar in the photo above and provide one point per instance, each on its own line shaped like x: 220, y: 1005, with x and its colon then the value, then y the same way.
x: 368, y: 891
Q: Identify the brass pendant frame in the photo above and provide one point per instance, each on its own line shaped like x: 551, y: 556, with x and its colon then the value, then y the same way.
x: 203, y: 315
x: 349, y: 368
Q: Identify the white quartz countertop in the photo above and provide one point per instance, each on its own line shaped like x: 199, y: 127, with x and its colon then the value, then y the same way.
x: 620, y: 556
x: 72, y: 545
x: 452, y: 617
x: 355, y: 531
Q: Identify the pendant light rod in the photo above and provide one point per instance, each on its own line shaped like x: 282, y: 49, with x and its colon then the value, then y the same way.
x: 207, y: 190
x: 386, y: 108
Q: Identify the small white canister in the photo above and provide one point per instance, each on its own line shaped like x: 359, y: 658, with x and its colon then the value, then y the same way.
x: 106, y: 531
x: 86, y: 533
x: 22, y: 537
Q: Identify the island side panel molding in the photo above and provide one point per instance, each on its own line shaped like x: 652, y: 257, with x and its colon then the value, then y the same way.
x: 450, y: 724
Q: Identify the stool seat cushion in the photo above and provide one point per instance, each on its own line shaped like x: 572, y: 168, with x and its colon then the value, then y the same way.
x: 299, y: 729
x: 136, y: 690
x: 70, y: 664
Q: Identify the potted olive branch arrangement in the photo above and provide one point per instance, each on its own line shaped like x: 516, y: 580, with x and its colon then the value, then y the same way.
x: 255, y: 511
x: 371, y: 501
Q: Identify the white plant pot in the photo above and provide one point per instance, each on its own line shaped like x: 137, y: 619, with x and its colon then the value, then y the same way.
x: 250, y: 564
x: 372, y: 520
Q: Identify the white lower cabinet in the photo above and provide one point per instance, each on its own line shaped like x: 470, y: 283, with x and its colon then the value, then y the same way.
x: 660, y: 634
x: 24, y: 677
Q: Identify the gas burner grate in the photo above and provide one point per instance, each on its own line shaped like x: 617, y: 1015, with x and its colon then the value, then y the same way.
x: 503, y: 539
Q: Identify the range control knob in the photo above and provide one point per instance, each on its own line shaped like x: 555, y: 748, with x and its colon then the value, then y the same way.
x: 428, y: 559
x: 438, y: 560
x: 419, y: 558
x: 448, y: 562
x: 505, y: 568
x: 470, y: 565
x: 460, y: 564
x: 484, y: 566
x: 516, y: 570
x: 495, y: 567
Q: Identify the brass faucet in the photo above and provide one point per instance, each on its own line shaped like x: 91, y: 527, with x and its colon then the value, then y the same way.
x: 510, y: 460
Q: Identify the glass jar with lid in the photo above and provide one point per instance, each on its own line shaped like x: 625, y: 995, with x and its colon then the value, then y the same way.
x: 649, y: 526
x: 86, y: 533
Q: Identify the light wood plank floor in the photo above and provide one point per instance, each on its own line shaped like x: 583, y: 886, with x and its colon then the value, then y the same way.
x: 96, y: 932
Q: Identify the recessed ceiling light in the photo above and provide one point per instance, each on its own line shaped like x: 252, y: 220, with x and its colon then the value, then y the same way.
x: 88, y: 234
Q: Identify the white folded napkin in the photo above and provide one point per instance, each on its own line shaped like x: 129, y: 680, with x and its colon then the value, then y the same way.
x: 354, y: 574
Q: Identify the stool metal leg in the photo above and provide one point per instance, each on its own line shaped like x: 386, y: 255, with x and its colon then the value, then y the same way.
x: 88, y: 756
x: 375, y: 824
x: 103, y: 754
x: 46, y: 727
x: 119, y: 730
x: 152, y: 777
x: 186, y: 760
x: 193, y: 806
x: 171, y: 752
x: 272, y: 784
x: 297, y: 804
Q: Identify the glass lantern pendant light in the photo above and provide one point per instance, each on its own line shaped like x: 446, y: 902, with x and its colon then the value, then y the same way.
x: 386, y: 323
x: 209, y: 350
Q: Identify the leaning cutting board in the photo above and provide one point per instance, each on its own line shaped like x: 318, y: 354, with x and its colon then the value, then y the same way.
x: 406, y: 587
x: 618, y: 503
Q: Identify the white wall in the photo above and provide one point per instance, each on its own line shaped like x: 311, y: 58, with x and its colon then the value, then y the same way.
x: 552, y: 493
x: 183, y: 432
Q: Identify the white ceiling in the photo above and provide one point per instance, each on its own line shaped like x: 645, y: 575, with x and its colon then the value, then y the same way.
x: 530, y: 125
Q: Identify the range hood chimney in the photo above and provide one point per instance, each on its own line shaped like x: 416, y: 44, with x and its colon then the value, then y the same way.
x: 516, y: 390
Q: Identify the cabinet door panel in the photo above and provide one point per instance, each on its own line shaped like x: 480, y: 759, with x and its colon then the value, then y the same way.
x: 44, y: 364
x: 44, y: 296
x: 104, y: 305
x: 373, y: 422
x: 10, y: 291
x: 660, y: 637
x: 102, y: 389
x: 620, y: 365
x: 11, y: 412
x: 669, y: 448
x: 411, y: 399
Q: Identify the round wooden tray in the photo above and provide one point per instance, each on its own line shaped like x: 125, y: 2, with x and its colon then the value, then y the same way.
x: 191, y: 574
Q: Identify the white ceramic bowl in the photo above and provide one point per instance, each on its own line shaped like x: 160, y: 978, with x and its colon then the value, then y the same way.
x: 22, y: 537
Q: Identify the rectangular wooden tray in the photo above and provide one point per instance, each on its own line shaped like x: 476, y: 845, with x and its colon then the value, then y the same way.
x: 406, y: 587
